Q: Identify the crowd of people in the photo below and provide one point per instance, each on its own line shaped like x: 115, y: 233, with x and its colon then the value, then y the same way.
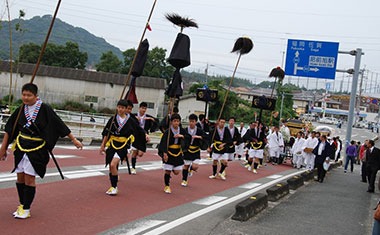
x: 34, y: 128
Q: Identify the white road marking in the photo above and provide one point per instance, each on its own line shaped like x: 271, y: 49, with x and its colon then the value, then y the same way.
x: 11, y: 177
x: 149, y: 168
x: 61, y: 156
x: 83, y: 175
x: 250, y: 185
x: 88, y: 171
x: 274, y: 176
x: 209, y: 200
x: 187, y: 218
x: 143, y: 225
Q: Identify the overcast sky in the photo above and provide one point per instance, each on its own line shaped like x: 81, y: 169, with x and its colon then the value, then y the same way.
x: 352, y: 23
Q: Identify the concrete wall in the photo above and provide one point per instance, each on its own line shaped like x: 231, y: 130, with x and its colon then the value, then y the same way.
x: 189, y: 105
x: 59, y: 90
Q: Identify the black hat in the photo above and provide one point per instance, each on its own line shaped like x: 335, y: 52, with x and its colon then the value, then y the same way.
x: 180, y: 54
x: 175, y: 87
x: 141, y: 58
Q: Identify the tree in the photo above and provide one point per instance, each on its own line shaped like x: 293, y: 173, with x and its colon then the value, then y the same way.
x: 29, y: 53
x: 67, y: 56
x: 234, y: 107
x: 109, y: 62
x: 265, y: 84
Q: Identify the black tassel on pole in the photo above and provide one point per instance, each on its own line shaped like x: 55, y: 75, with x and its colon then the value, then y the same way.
x: 277, y: 73
x: 180, y: 21
x: 243, y: 45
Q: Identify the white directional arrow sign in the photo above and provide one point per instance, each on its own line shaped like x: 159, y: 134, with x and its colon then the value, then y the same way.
x: 306, y: 58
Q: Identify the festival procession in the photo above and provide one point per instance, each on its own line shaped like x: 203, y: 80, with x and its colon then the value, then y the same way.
x: 200, y: 138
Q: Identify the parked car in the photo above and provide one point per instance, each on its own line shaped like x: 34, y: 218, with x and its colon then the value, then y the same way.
x: 361, y: 124
x: 325, y: 130
x: 328, y: 120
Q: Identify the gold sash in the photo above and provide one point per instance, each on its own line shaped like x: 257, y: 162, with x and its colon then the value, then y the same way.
x: 256, y: 145
x: 17, y: 142
x: 218, y: 143
x: 175, y: 146
x: 120, y: 139
x: 193, y: 149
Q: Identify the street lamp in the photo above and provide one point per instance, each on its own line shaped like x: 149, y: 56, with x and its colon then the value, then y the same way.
x: 206, y: 71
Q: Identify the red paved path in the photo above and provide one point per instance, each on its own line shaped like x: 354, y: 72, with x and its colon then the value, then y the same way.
x: 80, y: 206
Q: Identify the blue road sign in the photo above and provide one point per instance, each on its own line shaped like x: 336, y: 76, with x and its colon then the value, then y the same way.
x: 311, y: 58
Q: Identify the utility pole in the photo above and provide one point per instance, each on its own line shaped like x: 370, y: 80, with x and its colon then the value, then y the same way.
x: 341, y: 84
x: 370, y: 84
x: 316, y: 84
x: 358, y: 101
x: 355, y: 78
x: 282, y: 104
x: 206, y: 73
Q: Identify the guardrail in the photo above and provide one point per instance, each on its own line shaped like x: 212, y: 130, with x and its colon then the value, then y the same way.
x: 3, y: 120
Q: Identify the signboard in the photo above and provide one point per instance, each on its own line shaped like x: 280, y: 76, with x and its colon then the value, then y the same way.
x: 311, y: 58
x: 205, y: 94
x: 262, y: 102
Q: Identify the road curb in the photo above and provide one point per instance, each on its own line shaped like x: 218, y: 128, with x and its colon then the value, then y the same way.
x: 250, y: 207
x: 307, y: 175
x: 295, y: 182
x: 278, y: 191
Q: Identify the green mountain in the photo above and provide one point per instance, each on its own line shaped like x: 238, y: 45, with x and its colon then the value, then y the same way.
x: 35, y: 30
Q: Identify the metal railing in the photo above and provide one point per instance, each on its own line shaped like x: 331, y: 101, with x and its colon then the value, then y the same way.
x: 84, y: 125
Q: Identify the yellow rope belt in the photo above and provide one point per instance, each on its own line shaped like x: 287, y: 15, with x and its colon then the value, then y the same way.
x: 193, y: 149
x: 120, y: 139
x: 260, y: 143
x: 175, y: 146
x: 218, y: 143
x: 28, y: 138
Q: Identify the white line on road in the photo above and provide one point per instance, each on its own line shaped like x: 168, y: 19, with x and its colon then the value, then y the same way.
x: 61, y: 156
x: 84, y: 175
x: 149, y: 168
x: 89, y: 171
x: 186, y: 218
x: 144, y: 225
x: 250, y: 185
x: 209, y: 200
x: 274, y: 176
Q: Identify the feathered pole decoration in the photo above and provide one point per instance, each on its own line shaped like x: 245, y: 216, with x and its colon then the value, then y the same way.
x: 147, y: 25
x: 179, y: 56
x: 242, y: 46
x: 276, y: 73
x: 137, y: 70
x: 182, y: 22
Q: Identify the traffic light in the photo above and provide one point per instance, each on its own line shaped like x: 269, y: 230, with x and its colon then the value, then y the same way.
x: 208, y: 95
x: 262, y: 102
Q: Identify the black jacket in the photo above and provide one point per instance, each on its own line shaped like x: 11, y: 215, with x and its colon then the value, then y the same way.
x: 326, y: 153
x: 373, y: 158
